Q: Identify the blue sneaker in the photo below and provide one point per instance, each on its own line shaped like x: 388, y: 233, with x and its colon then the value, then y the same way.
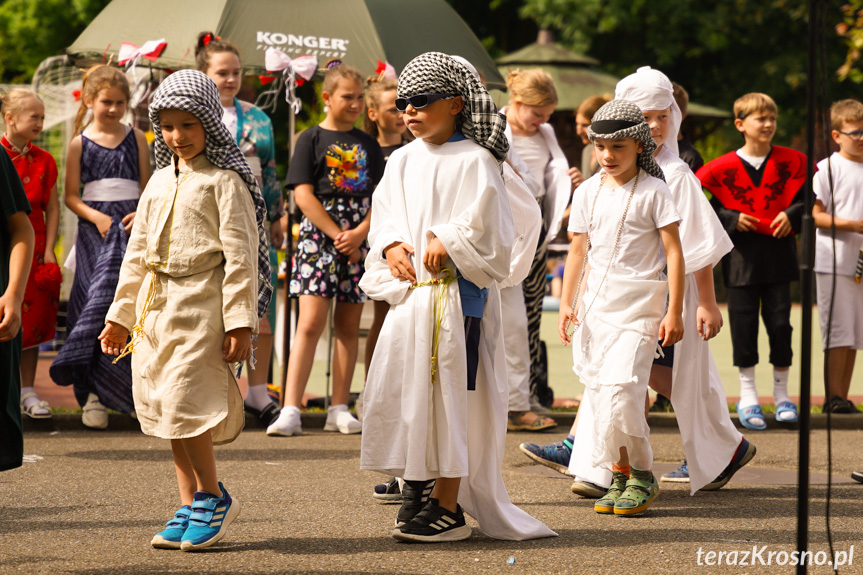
x: 172, y: 536
x: 210, y: 518
x: 555, y: 456
x: 679, y: 475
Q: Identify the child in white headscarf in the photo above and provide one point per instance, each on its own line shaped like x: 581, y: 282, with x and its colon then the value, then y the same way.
x: 714, y: 448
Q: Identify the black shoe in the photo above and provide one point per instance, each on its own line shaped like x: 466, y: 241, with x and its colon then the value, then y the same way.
x: 857, y: 476
x: 661, y: 405
x: 838, y: 405
x: 268, y: 415
x: 744, y: 455
x: 434, y: 524
x: 388, y: 492
x: 415, y: 494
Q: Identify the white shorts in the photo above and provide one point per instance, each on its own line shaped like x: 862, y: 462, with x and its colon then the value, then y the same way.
x: 847, y: 325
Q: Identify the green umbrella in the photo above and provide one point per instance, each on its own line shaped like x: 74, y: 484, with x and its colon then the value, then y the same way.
x: 359, y: 32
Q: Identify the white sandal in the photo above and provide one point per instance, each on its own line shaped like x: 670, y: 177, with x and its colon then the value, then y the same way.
x: 38, y: 409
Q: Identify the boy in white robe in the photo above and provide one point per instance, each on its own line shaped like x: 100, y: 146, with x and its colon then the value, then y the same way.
x: 622, y: 223
x: 436, y: 398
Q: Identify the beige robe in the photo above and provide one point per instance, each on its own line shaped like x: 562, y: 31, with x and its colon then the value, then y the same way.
x: 193, y: 242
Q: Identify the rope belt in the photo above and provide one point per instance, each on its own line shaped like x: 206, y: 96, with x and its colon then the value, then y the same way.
x: 438, y: 309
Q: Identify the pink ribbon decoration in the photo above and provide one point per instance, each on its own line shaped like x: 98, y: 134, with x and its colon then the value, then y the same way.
x: 386, y: 71
x: 150, y: 50
x: 294, y: 72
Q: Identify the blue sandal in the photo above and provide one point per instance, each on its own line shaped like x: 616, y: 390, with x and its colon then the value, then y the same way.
x: 783, y: 408
x: 746, y: 415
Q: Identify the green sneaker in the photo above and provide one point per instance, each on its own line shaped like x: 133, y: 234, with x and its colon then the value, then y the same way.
x: 641, y: 489
x: 606, y: 503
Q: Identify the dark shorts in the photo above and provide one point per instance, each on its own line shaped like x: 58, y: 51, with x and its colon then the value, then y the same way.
x: 668, y: 360
x: 318, y: 267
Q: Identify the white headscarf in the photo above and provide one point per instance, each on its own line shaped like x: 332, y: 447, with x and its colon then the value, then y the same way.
x: 650, y: 89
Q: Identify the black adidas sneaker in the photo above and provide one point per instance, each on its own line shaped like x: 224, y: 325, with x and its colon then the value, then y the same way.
x: 415, y: 494
x: 434, y: 524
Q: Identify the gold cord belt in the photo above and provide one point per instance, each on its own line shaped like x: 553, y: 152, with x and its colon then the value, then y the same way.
x: 440, y: 284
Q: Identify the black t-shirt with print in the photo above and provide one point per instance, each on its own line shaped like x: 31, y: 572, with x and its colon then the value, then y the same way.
x: 337, y: 164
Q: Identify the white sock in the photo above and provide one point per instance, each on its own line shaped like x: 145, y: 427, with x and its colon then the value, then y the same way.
x: 29, y: 400
x: 334, y: 409
x: 780, y: 385
x: 257, y: 397
x: 748, y: 393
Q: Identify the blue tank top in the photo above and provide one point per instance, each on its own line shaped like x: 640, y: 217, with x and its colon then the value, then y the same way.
x: 99, y: 162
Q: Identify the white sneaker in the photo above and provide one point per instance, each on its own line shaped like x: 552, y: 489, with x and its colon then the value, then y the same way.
x: 340, y: 419
x: 287, y: 424
x: 95, y: 415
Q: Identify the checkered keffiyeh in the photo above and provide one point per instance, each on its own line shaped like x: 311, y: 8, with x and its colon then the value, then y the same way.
x: 193, y: 92
x: 438, y: 73
x: 623, y: 119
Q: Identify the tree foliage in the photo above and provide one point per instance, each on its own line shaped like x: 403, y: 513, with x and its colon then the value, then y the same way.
x: 32, y: 30
x: 718, y: 49
x: 851, y: 29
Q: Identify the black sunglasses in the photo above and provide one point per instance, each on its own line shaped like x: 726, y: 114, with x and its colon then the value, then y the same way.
x: 420, y: 101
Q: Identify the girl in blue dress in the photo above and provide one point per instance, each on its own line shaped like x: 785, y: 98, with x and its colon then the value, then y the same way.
x: 112, y: 162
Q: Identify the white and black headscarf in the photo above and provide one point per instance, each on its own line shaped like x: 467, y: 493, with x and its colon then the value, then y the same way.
x: 623, y: 119
x: 479, y: 120
x: 650, y: 90
x: 192, y: 91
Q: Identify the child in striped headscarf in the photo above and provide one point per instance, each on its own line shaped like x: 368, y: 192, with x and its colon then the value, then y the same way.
x: 624, y: 226
x: 193, y: 285
x: 442, y: 237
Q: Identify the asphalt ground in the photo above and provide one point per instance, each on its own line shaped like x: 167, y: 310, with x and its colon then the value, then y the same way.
x: 89, y: 502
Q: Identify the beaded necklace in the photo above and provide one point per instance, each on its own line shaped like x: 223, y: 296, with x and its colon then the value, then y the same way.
x: 572, y: 327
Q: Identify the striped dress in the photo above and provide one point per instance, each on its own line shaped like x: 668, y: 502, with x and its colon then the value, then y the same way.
x: 105, y: 173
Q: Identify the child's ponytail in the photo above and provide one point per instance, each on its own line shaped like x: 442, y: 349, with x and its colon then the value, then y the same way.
x: 207, y: 45
x: 95, y: 80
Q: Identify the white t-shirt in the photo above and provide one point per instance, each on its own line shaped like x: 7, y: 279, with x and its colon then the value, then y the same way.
x: 754, y: 161
x: 229, y: 118
x: 848, y: 194
x: 640, y: 253
x: 535, y: 153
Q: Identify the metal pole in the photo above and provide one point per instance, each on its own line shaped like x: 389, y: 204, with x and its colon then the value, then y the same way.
x: 806, y: 265
x: 289, y: 254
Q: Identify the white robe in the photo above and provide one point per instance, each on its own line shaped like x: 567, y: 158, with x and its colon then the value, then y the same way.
x: 414, y: 427
x: 709, y: 437
x: 554, y: 187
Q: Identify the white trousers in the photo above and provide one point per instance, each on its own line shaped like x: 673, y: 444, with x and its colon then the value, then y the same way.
x: 514, y: 315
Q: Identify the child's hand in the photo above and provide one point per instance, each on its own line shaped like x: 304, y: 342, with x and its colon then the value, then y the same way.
x: 671, y: 329
x: 349, y: 241
x: 782, y: 225
x: 277, y: 236
x: 113, y: 338
x: 10, y: 317
x: 565, y: 317
x: 435, y: 256
x: 576, y: 177
x: 709, y: 321
x: 103, y: 224
x: 355, y: 256
x: 128, y: 220
x: 746, y: 223
x: 49, y: 257
x: 398, y: 256
x: 238, y: 345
